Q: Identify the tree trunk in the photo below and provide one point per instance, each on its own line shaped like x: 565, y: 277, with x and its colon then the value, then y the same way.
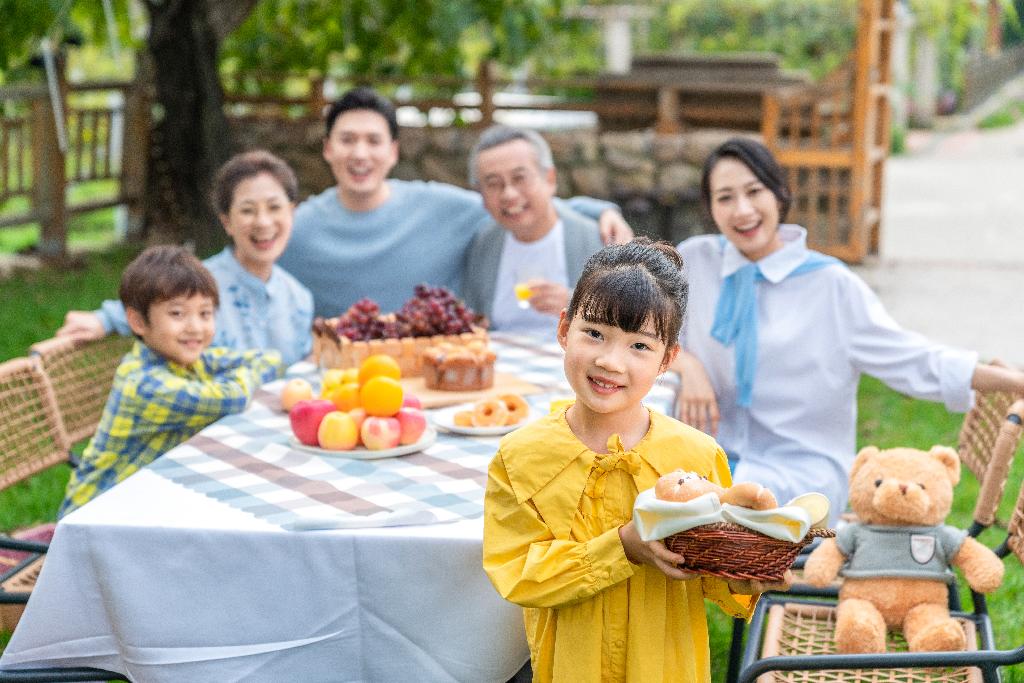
x: 190, y: 137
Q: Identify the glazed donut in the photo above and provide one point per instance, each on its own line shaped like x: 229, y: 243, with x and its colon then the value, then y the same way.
x: 517, y: 408
x: 463, y: 418
x: 489, y: 413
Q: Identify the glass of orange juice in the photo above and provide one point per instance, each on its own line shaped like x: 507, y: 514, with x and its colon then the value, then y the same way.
x: 522, y: 289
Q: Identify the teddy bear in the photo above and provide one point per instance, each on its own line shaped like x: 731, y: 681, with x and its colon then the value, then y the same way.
x: 682, y: 486
x: 895, y: 558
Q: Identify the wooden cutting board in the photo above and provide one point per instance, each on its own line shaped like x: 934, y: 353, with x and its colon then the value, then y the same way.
x: 434, y: 398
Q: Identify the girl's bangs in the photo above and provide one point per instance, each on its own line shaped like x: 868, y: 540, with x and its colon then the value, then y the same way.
x: 626, y: 298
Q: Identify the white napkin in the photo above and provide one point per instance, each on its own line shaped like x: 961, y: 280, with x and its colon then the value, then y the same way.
x: 786, y: 523
x: 656, y: 519
x: 392, y: 518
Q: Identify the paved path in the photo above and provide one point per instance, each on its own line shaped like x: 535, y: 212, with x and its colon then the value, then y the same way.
x: 951, y: 262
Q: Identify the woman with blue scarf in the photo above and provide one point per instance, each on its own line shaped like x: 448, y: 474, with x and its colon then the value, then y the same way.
x: 777, y: 336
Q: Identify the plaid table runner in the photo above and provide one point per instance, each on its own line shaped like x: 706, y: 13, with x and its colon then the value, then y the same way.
x: 245, y: 460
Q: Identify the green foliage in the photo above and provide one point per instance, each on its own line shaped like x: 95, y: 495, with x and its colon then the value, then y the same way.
x: 365, y: 38
x: 954, y: 25
x: 1007, y: 116
x: 26, y: 22
x: 809, y: 35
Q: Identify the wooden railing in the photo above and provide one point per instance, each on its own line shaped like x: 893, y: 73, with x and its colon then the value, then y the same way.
x: 105, y: 130
x: 692, y: 99
x: 833, y: 140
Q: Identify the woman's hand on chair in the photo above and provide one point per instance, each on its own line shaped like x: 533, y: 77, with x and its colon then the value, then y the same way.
x: 82, y: 326
x: 698, y: 405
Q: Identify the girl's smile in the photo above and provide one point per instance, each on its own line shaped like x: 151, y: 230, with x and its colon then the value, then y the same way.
x: 611, y: 371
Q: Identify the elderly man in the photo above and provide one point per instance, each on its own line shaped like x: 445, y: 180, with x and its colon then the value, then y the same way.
x: 379, y: 237
x: 520, y: 270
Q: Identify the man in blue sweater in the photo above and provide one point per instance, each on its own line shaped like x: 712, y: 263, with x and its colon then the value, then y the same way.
x: 379, y: 237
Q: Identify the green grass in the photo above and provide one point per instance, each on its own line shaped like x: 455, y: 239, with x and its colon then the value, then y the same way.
x: 32, y: 306
x: 87, y: 231
x: 91, y: 230
x: 1007, y: 115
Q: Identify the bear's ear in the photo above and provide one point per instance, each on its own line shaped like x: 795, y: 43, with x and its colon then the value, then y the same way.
x: 949, y: 459
x: 863, y: 456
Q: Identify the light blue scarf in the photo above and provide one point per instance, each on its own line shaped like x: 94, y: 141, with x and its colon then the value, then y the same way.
x: 736, y: 316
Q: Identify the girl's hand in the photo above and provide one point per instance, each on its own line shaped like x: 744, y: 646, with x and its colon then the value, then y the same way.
x: 653, y: 553
x: 753, y: 587
x: 698, y: 406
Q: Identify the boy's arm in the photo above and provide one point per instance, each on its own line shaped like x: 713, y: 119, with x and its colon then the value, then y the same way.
x: 528, y: 566
x: 235, y: 375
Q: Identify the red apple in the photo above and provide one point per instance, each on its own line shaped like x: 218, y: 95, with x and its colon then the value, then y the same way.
x: 379, y: 433
x: 306, y: 416
x: 413, y: 423
x: 338, y: 432
x: 410, y: 401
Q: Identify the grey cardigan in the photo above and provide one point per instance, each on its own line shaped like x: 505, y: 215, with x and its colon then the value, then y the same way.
x: 480, y: 273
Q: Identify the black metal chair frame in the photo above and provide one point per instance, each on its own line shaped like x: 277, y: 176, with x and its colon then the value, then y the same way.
x: 986, y: 658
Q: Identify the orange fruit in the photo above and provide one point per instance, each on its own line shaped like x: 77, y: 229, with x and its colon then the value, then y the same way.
x: 381, y: 396
x: 379, y: 365
x: 345, y: 396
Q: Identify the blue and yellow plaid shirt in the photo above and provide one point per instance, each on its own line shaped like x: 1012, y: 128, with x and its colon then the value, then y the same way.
x: 156, y: 404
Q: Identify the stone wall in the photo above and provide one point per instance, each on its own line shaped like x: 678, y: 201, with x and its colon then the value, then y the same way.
x: 654, y: 178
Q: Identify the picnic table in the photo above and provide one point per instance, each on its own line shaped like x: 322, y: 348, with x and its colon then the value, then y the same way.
x: 195, y: 568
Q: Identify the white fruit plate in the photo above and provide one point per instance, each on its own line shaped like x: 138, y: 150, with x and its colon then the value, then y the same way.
x: 445, y: 419
x: 361, y: 453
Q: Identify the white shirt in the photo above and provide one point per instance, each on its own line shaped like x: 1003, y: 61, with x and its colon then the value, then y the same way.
x: 521, y: 261
x: 817, y: 332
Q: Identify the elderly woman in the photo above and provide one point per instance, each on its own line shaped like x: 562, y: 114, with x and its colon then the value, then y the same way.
x: 777, y: 337
x: 262, y: 306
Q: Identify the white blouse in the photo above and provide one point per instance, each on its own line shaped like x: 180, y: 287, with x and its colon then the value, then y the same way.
x: 817, y: 332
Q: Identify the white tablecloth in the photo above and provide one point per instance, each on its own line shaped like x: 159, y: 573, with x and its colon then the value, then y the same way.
x: 168, y: 580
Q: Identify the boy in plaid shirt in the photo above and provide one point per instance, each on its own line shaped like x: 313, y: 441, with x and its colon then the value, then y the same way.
x: 170, y: 385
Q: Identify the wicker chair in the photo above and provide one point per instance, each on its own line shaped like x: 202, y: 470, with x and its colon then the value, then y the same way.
x: 988, y: 439
x: 81, y: 374
x: 32, y: 438
x: 798, y: 632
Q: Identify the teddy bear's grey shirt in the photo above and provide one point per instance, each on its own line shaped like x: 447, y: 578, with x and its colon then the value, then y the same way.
x: 916, y: 552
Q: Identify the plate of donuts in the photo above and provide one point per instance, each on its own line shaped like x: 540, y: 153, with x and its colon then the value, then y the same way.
x: 492, y: 416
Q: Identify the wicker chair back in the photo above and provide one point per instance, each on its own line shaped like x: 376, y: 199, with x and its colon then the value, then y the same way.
x: 81, y: 374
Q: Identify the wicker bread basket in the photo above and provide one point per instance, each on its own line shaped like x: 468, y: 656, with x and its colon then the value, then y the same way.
x: 732, y: 551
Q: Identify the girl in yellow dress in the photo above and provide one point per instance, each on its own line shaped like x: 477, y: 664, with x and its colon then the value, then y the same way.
x: 599, y: 603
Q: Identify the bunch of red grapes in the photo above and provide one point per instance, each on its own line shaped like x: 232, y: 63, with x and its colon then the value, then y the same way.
x: 431, y: 311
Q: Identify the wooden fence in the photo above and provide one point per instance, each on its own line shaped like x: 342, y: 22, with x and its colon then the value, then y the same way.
x: 106, y: 125
x: 833, y: 140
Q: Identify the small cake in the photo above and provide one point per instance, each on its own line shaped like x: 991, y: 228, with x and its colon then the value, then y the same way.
x: 468, y: 367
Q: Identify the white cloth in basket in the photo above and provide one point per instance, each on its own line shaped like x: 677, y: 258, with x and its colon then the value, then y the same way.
x: 656, y: 519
